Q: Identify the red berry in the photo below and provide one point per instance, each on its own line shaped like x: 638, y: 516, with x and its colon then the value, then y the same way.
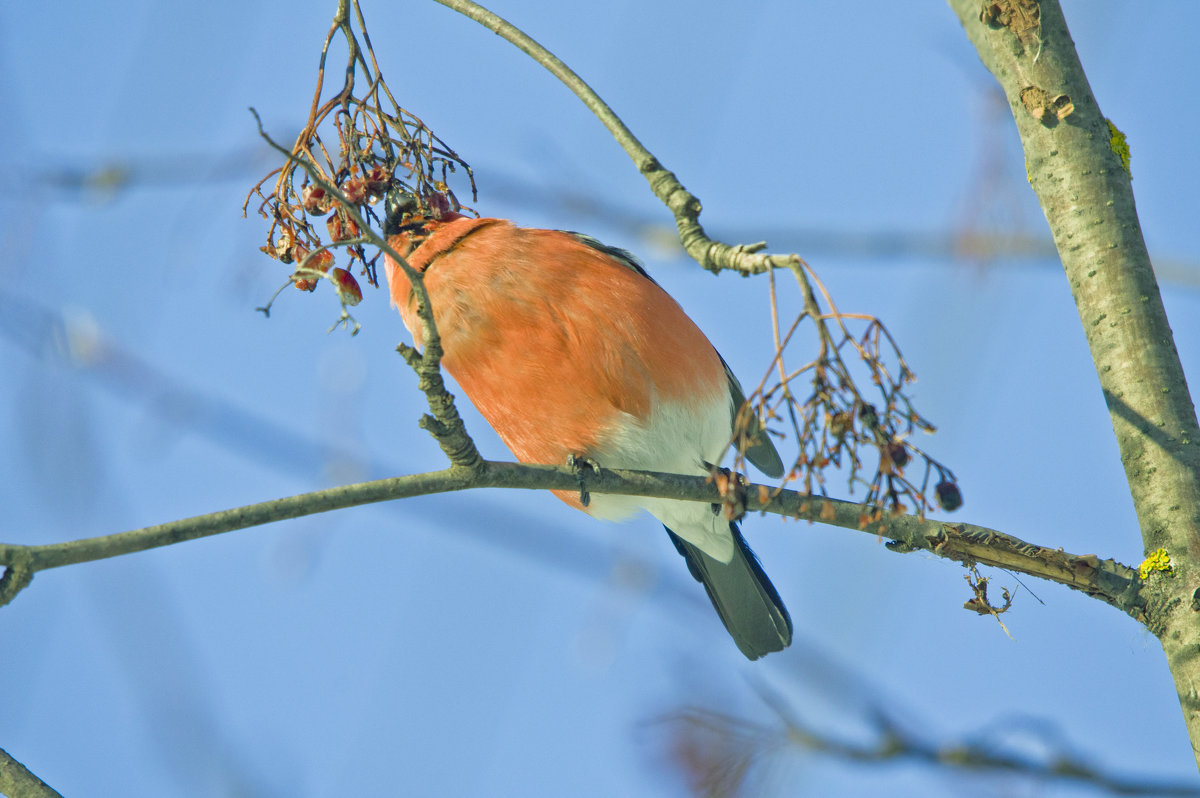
x: 377, y: 181
x: 322, y: 260
x: 439, y: 205
x: 315, y: 200
x: 347, y: 286
x: 341, y: 228
x: 355, y: 190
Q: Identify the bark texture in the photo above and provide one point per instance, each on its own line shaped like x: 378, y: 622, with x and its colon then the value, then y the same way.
x: 1078, y: 165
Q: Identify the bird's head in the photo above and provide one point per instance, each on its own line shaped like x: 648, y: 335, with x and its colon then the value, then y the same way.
x: 407, y: 212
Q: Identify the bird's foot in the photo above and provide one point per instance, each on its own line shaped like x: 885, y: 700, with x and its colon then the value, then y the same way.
x: 581, y: 464
x: 732, y: 487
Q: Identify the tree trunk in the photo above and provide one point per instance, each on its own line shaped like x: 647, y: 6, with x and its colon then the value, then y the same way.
x: 1078, y: 165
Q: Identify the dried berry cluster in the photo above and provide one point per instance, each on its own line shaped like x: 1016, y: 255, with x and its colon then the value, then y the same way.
x: 839, y: 425
x: 379, y: 146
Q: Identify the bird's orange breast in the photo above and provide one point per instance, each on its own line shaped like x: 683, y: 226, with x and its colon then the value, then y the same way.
x: 558, y: 344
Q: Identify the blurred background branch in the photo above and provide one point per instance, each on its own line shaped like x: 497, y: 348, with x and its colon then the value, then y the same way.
x: 984, y: 238
x: 719, y: 755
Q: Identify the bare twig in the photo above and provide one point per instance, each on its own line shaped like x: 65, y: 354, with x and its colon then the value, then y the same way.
x: 712, y: 255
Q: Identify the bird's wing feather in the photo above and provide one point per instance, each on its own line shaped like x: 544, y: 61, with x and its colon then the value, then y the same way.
x: 760, y: 450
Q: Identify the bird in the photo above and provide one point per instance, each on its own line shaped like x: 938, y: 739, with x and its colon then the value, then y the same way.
x: 572, y: 353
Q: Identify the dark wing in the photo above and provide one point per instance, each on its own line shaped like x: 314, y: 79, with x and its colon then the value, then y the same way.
x: 760, y: 450
x: 624, y: 256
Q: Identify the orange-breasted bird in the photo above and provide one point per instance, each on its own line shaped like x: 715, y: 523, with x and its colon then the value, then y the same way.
x: 568, y: 348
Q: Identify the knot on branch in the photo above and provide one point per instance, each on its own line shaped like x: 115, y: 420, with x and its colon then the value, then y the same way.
x: 456, y: 444
x: 411, y: 356
x: 1044, y: 107
x: 666, y: 187
x: 18, y: 573
x: 748, y: 259
x: 445, y: 424
x: 1022, y: 17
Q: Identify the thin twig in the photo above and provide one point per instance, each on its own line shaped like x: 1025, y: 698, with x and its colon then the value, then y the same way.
x: 712, y: 255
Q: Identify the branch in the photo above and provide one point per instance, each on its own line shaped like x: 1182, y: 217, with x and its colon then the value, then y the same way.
x: 712, y: 255
x: 1078, y: 164
x: 17, y: 782
x: 1107, y: 580
x: 717, y: 749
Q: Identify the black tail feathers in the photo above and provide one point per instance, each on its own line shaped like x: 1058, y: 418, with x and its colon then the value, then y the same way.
x: 744, y: 597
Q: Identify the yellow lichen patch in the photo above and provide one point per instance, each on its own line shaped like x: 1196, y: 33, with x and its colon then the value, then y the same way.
x: 1118, y: 143
x: 1158, y: 560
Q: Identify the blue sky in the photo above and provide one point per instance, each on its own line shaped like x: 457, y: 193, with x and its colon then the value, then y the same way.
x: 498, y: 643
